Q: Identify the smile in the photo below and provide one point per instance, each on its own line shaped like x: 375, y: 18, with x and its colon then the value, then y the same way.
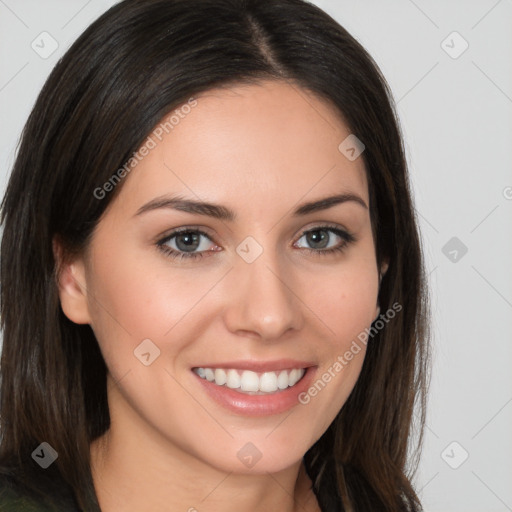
x: 241, y: 390
x: 249, y: 382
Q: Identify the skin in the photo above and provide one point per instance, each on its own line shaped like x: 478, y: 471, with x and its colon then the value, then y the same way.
x: 260, y: 150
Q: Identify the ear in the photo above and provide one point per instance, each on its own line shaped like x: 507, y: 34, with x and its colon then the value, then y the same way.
x: 383, y: 269
x: 71, y: 284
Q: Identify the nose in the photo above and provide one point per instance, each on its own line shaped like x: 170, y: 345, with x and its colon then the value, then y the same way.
x: 262, y: 302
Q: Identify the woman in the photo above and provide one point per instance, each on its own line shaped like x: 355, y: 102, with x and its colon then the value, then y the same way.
x: 213, y: 294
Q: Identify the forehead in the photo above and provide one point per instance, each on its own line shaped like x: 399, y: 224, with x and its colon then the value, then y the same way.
x: 246, y: 144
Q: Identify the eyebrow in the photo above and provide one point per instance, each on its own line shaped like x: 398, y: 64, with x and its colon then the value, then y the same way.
x: 220, y: 212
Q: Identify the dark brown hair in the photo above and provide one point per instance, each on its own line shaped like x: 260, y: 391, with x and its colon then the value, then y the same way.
x: 136, y: 63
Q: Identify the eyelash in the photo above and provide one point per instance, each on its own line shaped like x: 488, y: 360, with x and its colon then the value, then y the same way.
x: 347, y: 238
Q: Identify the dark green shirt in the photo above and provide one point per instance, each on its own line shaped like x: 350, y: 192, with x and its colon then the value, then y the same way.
x: 12, y: 499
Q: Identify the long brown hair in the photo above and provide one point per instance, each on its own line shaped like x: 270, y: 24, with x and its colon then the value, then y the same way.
x: 133, y: 65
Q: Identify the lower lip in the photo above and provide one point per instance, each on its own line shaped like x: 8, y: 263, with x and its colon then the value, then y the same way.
x: 258, y: 405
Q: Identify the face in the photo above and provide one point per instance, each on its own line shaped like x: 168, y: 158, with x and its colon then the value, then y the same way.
x: 257, y: 292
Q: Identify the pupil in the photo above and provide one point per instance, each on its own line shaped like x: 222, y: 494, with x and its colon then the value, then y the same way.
x: 190, y: 239
x: 318, y: 238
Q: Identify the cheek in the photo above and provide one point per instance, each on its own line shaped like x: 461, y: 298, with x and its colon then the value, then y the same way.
x: 345, y: 304
x: 344, y: 300
x: 135, y: 298
x: 129, y: 292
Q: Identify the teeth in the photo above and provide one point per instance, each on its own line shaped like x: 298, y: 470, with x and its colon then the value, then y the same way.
x: 220, y: 377
x: 233, y: 380
x: 282, y: 380
x: 268, y: 382
x: 294, y: 377
x: 251, y: 382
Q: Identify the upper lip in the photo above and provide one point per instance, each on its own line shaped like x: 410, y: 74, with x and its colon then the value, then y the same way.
x: 259, y: 366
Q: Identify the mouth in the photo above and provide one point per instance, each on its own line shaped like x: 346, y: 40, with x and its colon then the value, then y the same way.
x: 250, y: 382
x: 252, y: 389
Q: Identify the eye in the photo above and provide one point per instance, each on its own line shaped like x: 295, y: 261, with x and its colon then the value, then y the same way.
x: 183, y: 242
x: 321, y: 236
x: 186, y: 243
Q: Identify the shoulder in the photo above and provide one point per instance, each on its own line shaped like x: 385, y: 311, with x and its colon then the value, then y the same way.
x: 14, y: 499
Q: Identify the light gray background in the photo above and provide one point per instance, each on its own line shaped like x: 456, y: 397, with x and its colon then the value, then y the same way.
x: 456, y: 114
